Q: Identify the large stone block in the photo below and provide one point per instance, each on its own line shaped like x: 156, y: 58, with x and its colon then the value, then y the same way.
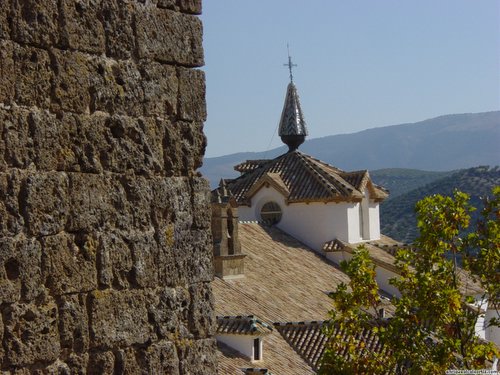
x: 56, y: 368
x: 126, y: 361
x: 188, y: 6
x: 101, y: 363
x: 139, y: 194
x: 33, y: 76
x: 20, y: 269
x: 96, y: 202
x: 44, y: 201
x: 200, y: 192
x: 17, y: 142
x: 160, y: 86
x: 36, y: 22
x: 78, y: 363
x: 159, y: 358
x: 1, y: 339
x: 165, y: 191
x: 119, y: 144
x: 72, y: 81
x: 192, y: 262
x: 81, y: 28
x: 11, y: 219
x: 192, y: 106
x: 201, y: 308
x: 90, y: 142
x: 119, y: 318
x: 52, y: 138
x: 7, y: 71
x: 5, y: 11
x: 73, y: 323
x: 115, y: 87
x: 69, y: 267
x: 31, y: 333
x: 152, y: 263
x: 168, y: 36
x: 114, y: 262
x: 133, y: 144
x: 169, y: 311
x: 198, y: 357
x: 118, y: 20
x: 184, y: 146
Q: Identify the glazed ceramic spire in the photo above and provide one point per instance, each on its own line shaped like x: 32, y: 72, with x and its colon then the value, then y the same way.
x: 292, y: 127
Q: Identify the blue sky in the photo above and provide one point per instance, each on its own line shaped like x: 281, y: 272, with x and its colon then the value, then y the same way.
x: 361, y: 64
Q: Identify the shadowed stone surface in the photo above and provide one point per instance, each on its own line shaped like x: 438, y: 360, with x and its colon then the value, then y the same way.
x: 105, y: 258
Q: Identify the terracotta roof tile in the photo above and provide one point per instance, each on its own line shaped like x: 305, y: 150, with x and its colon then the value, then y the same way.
x: 309, y: 341
x: 242, y: 325
x: 284, y: 281
x: 306, y: 338
x: 250, y: 165
x: 278, y: 357
x: 306, y: 178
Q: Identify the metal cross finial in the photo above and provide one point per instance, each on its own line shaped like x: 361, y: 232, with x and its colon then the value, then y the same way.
x: 290, y: 65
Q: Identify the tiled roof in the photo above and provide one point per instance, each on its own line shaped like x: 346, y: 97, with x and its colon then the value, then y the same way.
x: 309, y: 340
x: 284, y: 281
x: 306, y: 338
x: 286, y: 284
x: 333, y: 245
x: 250, y: 165
x: 278, y: 357
x: 306, y: 180
x: 242, y: 325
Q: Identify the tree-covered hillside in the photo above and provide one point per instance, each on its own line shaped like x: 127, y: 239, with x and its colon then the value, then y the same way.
x: 400, y: 181
x: 397, y: 214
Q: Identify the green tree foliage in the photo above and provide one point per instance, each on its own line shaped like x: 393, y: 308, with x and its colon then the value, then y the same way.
x: 353, y: 315
x: 433, y: 326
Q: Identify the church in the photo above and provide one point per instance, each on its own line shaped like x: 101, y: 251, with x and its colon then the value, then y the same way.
x: 280, y: 230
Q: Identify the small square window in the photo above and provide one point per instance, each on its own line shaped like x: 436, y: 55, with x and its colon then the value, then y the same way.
x: 256, y: 349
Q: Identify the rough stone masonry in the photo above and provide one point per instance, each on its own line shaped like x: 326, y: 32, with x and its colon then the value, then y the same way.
x: 105, y: 259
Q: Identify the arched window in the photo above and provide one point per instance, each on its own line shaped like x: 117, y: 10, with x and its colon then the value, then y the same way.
x: 271, y: 213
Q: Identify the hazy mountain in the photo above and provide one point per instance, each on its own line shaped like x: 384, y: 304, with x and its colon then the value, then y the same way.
x: 397, y: 214
x: 439, y: 144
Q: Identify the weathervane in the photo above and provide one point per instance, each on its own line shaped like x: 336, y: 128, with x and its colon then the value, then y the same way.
x: 289, y: 64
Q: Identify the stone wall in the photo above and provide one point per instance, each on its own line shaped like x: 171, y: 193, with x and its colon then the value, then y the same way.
x: 105, y: 258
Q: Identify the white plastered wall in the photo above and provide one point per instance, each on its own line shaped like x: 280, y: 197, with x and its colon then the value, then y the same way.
x: 374, y: 221
x: 371, y: 218
x: 241, y: 343
x: 316, y: 223
x: 313, y: 223
x: 492, y: 333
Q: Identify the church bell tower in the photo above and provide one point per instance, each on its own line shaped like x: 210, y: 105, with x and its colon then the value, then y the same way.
x: 228, y: 259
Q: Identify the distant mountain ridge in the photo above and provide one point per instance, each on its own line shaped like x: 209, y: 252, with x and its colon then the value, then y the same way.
x: 443, y: 143
x: 397, y: 214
